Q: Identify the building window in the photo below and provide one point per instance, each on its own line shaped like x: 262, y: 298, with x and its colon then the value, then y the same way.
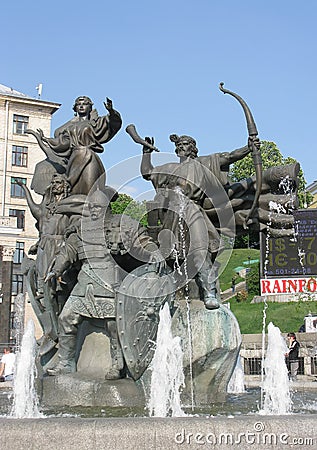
x: 17, y: 190
x: 20, y: 124
x: 19, y: 156
x: 17, y: 284
x: 20, y: 214
x: 19, y: 253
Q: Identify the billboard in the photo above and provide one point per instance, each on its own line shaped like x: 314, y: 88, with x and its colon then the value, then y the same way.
x: 293, y: 256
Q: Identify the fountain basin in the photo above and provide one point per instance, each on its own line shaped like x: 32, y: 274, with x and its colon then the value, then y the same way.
x: 155, y: 433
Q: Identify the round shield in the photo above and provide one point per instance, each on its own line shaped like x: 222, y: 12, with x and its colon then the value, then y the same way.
x: 138, y: 303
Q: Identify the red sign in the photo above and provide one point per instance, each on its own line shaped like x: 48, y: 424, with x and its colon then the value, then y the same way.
x: 271, y: 286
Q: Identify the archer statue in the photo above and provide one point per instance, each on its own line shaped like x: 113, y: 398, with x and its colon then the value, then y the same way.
x: 213, y: 205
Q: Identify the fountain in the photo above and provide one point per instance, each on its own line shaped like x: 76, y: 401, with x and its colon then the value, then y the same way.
x: 276, y: 387
x: 236, y: 384
x: 167, y: 371
x: 25, y: 399
x: 18, y: 329
x: 107, y: 333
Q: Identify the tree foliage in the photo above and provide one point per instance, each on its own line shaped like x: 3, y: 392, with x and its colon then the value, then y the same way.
x: 250, y: 240
x: 253, y: 280
x: 271, y: 156
x: 127, y: 205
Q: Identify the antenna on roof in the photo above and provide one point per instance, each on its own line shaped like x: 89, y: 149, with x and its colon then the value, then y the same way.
x: 39, y: 88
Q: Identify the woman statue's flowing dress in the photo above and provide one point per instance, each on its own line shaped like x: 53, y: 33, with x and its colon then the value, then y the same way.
x: 78, y: 141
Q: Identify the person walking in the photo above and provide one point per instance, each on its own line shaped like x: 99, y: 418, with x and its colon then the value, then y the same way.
x: 233, y: 284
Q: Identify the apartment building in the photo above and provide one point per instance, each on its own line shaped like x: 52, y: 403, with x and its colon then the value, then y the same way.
x: 312, y: 188
x: 19, y: 154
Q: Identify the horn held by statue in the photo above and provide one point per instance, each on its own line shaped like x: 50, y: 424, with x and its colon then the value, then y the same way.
x: 131, y: 130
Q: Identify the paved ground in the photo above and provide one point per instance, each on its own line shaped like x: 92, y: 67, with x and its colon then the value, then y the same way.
x: 6, y: 385
x: 226, y: 295
x: 303, y: 382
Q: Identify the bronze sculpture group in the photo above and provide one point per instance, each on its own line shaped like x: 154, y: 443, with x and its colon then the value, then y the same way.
x: 85, y: 254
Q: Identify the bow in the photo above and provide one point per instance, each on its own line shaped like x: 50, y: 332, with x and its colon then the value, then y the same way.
x: 256, y: 155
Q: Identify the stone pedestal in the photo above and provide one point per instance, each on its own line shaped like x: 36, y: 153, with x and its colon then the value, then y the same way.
x: 216, y: 340
x: 73, y: 390
x: 215, y: 346
x: 88, y: 387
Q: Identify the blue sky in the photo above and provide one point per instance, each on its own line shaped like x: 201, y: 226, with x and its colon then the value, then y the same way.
x: 161, y: 63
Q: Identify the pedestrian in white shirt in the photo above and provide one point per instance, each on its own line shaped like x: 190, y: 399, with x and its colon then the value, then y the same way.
x: 7, y: 365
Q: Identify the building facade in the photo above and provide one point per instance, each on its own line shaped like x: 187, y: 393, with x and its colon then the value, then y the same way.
x: 312, y: 188
x: 19, y: 154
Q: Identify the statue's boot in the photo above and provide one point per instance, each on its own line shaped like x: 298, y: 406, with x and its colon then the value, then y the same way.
x: 46, y: 344
x: 66, y: 356
x: 207, y: 288
x: 114, y: 373
x: 210, y: 298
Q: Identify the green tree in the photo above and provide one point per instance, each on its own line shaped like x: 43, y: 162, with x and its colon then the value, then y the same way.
x: 253, y: 280
x: 247, y: 240
x: 127, y: 205
x: 271, y: 156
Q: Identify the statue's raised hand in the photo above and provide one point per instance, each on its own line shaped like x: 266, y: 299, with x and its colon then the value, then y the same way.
x: 108, y: 105
x: 41, y: 134
x: 38, y: 133
x: 254, y: 141
x: 147, y: 149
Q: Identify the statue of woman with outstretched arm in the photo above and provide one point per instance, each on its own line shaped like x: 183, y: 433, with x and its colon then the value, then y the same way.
x: 76, y: 144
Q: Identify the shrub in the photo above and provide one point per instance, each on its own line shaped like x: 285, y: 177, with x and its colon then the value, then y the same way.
x: 253, y: 280
x: 242, y: 296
